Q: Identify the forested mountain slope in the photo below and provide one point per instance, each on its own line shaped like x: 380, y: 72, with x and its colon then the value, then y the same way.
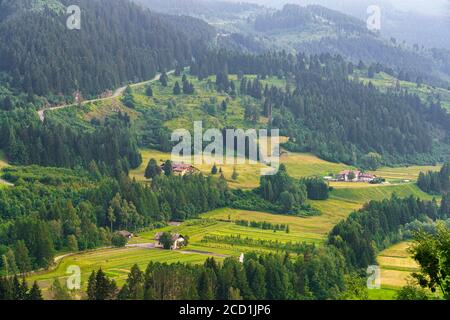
x: 118, y: 42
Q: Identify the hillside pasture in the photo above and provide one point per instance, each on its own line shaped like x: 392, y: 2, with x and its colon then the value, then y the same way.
x: 400, y: 174
x: 396, y: 266
x: 384, y: 82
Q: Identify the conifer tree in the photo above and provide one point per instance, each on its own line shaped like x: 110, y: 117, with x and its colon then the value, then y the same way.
x: 176, y: 88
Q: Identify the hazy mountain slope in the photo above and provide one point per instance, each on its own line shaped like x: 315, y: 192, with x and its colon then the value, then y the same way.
x: 312, y: 29
x: 316, y: 29
x: 201, y: 8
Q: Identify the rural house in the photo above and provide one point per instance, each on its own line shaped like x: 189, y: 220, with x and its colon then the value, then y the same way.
x: 177, y: 241
x: 354, y: 176
x: 181, y: 168
x: 125, y: 234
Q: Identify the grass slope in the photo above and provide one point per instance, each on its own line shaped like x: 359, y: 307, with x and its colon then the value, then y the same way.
x: 116, y: 263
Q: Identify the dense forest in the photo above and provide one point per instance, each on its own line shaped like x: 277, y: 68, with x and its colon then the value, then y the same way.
x: 435, y: 182
x: 68, y: 187
x: 377, y: 226
x: 26, y: 140
x: 118, y: 42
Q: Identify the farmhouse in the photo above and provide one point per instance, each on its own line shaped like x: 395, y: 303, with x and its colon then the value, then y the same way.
x: 125, y: 234
x: 177, y: 241
x: 181, y: 168
x: 354, y: 176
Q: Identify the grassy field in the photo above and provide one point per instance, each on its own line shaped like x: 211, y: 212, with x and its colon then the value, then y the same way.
x: 189, y: 108
x: 396, y: 265
x: 298, y: 165
x: 116, y: 263
x: 401, y: 174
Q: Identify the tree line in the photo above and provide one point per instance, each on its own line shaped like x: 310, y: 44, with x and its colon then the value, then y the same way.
x: 317, y: 273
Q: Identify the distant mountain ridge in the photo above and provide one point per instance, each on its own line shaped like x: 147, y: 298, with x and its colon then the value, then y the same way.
x: 312, y: 29
x: 315, y: 29
x: 199, y: 7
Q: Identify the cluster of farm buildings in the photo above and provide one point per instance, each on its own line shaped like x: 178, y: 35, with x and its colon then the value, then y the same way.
x: 182, y: 168
x: 352, y: 176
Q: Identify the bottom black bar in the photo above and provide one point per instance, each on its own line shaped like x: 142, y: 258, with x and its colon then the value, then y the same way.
x: 229, y: 309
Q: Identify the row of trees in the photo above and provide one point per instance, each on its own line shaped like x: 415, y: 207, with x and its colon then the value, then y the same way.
x: 11, y: 288
x: 314, y: 274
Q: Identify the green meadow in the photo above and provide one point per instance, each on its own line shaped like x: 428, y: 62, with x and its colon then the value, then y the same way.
x: 116, y: 263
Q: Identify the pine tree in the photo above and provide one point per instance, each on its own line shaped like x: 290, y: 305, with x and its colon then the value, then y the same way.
x: 176, y: 88
x: 163, y: 79
x: 168, y: 168
x: 100, y: 287
x: 207, y: 284
x: 35, y: 293
x: 111, y: 218
x: 149, y: 91
x: 153, y: 169
x: 91, y: 288
x: 178, y: 70
x: 21, y: 254
x: 235, y: 175
x: 59, y: 292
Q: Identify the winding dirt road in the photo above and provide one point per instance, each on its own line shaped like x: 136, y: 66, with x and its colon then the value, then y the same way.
x: 117, y: 93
